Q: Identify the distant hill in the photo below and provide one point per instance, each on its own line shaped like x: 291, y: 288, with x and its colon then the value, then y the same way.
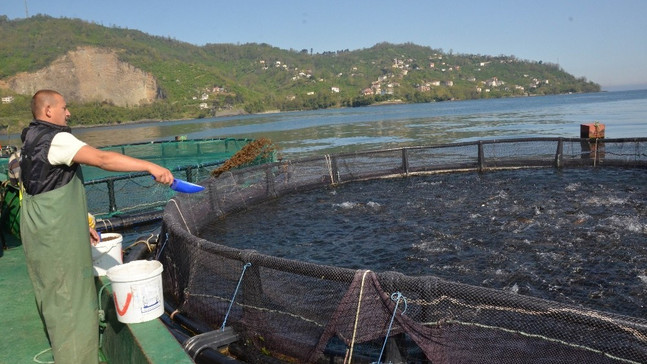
x: 138, y: 76
x: 90, y: 74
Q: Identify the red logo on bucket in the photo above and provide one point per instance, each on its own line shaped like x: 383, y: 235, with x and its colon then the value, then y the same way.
x: 122, y: 311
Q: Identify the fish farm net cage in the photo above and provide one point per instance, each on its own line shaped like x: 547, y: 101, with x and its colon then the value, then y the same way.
x: 120, y: 200
x: 297, y: 311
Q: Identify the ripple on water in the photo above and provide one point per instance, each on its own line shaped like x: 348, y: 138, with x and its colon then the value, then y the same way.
x: 574, y: 236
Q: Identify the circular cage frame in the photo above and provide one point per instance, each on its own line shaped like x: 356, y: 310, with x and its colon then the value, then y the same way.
x: 306, y: 311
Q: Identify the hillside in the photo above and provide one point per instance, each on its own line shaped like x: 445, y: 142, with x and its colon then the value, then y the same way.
x: 90, y: 74
x: 136, y: 76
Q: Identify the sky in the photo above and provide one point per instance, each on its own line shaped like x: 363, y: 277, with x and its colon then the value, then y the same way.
x: 604, y: 41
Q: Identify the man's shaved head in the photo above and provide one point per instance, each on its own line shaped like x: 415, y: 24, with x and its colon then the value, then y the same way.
x: 50, y: 106
x: 41, y: 100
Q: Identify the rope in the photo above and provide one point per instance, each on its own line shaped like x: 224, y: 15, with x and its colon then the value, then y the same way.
x: 102, y: 316
x: 172, y: 315
x: 185, y: 225
x: 329, y: 165
x: 37, y: 359
x: 595, y: 154
x: 182, y: 216
x: 247, y: 265
x: 359, y: 304
x: 397, y: 296
x: 148, y: 245
x: 548, y: 312
x: 542, y: 337
x: 146, y: 241
x: 107, y: 224
x: 102, y: 327
x: 264, y: 309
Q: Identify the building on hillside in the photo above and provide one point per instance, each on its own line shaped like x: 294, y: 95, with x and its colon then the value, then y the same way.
x: 494, y: 82
x: 367, y: 91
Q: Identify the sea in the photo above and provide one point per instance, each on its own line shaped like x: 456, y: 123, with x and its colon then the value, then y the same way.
x: 318, y: 132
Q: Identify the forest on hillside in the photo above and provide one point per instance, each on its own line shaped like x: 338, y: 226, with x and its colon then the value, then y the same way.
x: 217, y: 79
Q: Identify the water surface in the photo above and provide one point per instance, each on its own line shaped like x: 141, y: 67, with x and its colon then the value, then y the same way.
x: 575, y: 236
x: 317, y: 132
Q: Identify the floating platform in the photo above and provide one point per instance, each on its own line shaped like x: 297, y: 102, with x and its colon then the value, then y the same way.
x: 23, y: 334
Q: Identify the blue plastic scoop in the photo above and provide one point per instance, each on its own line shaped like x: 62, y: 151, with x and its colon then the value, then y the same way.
x: 184, y: 186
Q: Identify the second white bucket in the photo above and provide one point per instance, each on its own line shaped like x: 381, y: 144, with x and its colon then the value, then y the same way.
x: 137, y: 290
x: 107, y: 253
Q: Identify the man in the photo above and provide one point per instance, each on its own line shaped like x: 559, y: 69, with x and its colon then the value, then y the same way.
x: 54, y: 225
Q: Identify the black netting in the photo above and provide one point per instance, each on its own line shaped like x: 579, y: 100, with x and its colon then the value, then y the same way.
x: 305, y: 312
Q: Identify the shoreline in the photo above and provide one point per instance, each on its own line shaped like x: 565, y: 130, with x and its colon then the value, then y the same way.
x: 143, y: 121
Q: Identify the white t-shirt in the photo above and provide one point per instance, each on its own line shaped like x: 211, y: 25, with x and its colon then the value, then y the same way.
x: 63, y: 149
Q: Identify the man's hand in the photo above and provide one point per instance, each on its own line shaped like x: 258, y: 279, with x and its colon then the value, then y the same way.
x: 94, y: 237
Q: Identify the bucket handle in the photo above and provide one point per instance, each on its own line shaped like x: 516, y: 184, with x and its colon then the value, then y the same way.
x: 107, y: 251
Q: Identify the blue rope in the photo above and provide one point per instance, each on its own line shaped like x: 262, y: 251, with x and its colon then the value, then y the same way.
x: 159, y: 253
x: 247, y: 265
x: 397, y: 296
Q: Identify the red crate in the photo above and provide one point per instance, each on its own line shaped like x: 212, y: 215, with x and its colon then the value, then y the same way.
x: 593, y: 131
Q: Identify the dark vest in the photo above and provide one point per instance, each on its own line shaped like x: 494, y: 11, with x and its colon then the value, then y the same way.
x: 37, y: 174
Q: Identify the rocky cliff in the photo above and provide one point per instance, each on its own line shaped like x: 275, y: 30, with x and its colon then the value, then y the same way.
x: 90, y: 74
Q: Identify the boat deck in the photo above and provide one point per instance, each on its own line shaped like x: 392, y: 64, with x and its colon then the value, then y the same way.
x: 22, y: 336
x: 21, y: 332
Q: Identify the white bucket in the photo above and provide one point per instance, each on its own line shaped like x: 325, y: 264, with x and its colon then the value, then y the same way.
x: 137, y: 289
x: 107, y: 253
